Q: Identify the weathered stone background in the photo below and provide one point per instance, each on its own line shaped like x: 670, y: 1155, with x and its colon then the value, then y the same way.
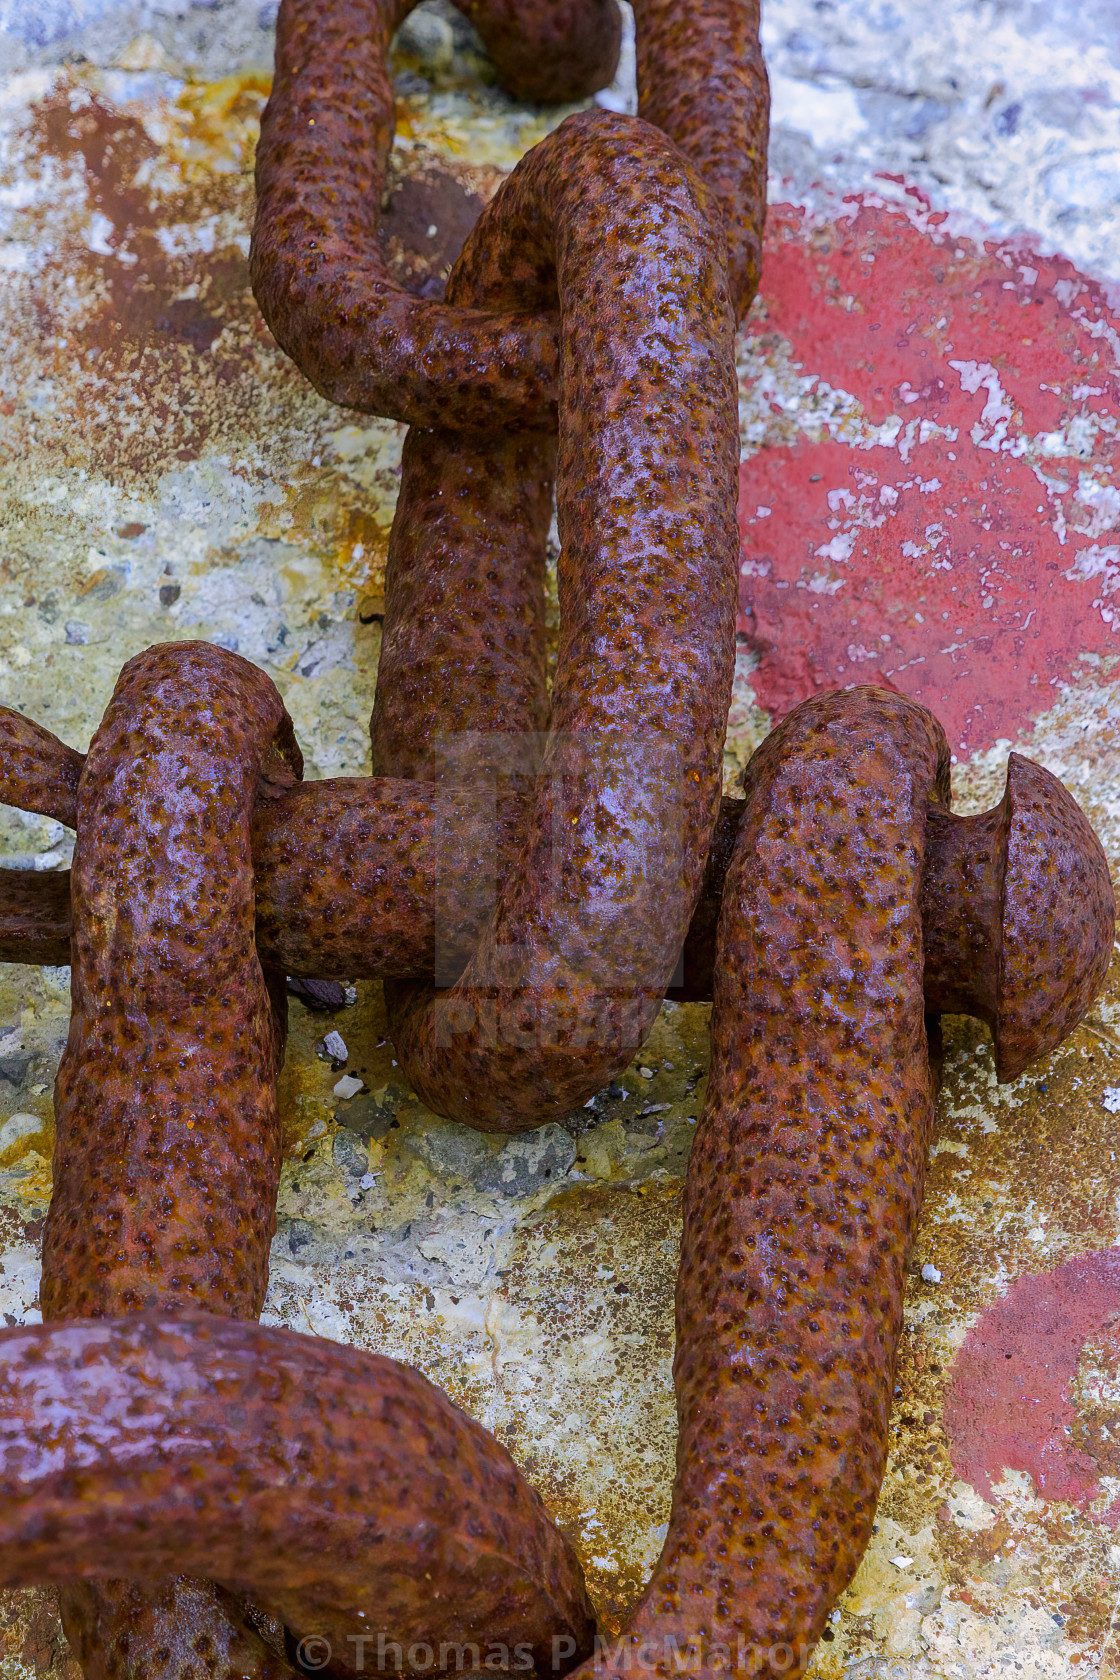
x: 931, y: 403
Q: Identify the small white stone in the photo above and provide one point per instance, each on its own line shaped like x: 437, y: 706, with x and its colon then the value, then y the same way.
x: 646, y: 1073
x: 18, y: 1126
x: 348, y: 1086
x: 931, y: 1275
x: 368, y: 1180
x: 902, y: 1562
x: 335, y: 1046
x: 1111, y: 1098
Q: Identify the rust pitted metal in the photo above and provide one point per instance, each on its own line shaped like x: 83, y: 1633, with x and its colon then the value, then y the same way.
x: 350, y: 875
x: 38, y: 772
x: 168, y: 1149
x: 1019, y: 913
x: 318, y: 272
x: 701, y: 78
x: 167, y: 1155
x: 801, y: 1202
x: 1058, y: 919
x: 586, y: 341
x: 353, y: 876
x: 603, y: 218
x: 962, y: 899
x: 803, y: 1186
x: 180, y: 1627
x: 344, y: 1490
x: 549, y: 51
x: 802, y: 1196
x: 34, y: 915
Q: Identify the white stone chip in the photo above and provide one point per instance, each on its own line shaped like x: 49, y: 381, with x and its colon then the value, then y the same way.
x: 18, y: 1126
x: 902, y: 1562
x: 335, y: 1046
x: 348, y: 1086
x: 1111, y: 1098
x: 931, y: 1275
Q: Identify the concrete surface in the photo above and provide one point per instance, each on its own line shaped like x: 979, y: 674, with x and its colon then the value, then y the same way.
x: 930, y: 404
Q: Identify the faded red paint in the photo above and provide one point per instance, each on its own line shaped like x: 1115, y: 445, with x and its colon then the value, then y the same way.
x: 971, y: 562
x: 1010, y: 1403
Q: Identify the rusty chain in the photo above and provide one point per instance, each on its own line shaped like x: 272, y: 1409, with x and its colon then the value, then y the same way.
x: 213, y: 1497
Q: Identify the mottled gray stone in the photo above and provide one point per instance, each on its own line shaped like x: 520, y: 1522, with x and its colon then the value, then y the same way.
x: 350, y: 1158
x: 517, y: 1167
x: 14, y: 1066
x: 369, y: 1114
x: 528, y: 1163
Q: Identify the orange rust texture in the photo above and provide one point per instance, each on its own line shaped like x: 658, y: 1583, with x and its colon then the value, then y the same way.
x: 703, y: 81
x: 804, y: 1183
x: 318, y: 269
x: 789, y: 1300
x: 123, y: 1627
x: 406, y: 1517
x: 603, y: 216
x: 195, y: 360
x: 815, y: 1128
x: 163, y: 902
x: 167, y: 1154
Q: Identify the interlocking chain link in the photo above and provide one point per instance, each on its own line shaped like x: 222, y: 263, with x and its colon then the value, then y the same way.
x: 524, y: 869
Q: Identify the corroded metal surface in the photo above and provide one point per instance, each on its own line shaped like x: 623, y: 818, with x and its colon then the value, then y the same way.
x: 645, y: 624
x: 674, y: 339
x: 326, y: 132
x: 406, y: 1520
x: 167, y: 1148
x: 318, y: 272
x: 701, y: 78
x: 1018, y: 915
x: 804, y: 1182
x: 535, y: 1282
x: 601, y: 880
x: 800, y: 1210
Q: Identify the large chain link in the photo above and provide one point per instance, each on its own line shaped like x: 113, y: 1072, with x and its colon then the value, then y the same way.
x: 524, y: 869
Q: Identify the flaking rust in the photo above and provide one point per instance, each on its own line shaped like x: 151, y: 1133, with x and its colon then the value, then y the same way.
x: 149, y: 1429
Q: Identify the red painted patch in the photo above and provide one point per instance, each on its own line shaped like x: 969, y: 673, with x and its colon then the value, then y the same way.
x: 967, y: 555
x: 1009, y: 1403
